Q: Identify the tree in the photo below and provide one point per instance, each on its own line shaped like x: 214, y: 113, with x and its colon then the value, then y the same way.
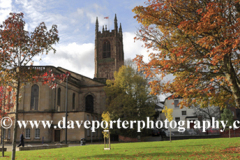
x: 131, y: 63
x: 207, y: 113
x: 198, y: 42
x: 106, y: 118
x: 18, y: 47
x: 128, y: 98
x: 227, y: 116
x: 106, y: 133
x: 169, y: 117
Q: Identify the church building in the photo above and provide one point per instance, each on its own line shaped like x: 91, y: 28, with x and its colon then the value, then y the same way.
x: 85, y: 97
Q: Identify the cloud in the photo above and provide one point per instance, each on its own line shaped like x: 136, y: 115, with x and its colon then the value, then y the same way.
x: 5, y: 9
x: 131, y: 48
x: 74, y: 57
x: 94, y: 11
x: 73, y: 22
x: 38, y: 11
x: 80, y: 12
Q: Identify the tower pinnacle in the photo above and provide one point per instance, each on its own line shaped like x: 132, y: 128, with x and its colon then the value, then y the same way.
x: 96, y: 26
x: 115, y: 23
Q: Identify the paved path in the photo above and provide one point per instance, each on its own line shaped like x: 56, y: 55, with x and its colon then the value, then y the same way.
x: 9, y: 147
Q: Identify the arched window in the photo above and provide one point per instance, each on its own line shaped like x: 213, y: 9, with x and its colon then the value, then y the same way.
x: 89, y: 104
x: 73, y: 101
x: 59, y: 97
x: 34, y: 97
x: 106, y: 49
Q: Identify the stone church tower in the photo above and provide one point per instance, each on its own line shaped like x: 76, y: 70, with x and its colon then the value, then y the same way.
x: 109, y: 55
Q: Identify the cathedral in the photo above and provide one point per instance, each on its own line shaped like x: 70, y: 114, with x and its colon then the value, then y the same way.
x: 85, y: 97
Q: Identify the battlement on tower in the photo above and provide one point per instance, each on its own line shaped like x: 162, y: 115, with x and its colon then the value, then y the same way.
x: 108, y: 33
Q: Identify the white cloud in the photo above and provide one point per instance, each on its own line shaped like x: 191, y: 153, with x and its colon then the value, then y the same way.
x: 36, y: 11
x: 80, y: 12
x: 94, y: 11
x: 96, y: 6
x: 70, y: 23
x: 131, y: 48
x: 5, y: 9
x: 74, y: 57
x: 5, y: 3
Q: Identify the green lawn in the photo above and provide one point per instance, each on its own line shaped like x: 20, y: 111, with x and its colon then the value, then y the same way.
x: 178, y: 149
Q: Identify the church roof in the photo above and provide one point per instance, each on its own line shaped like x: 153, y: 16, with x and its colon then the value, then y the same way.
x: 85, y: 81
x: 75, y: 78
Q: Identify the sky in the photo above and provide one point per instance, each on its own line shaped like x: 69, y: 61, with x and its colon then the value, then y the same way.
x: 75, y: 20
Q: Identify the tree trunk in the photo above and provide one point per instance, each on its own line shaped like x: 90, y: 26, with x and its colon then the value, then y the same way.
x: 2, y: 143
x: 233, y: 79
x: 15, y: 122
x: 3, y: 104
x: 229, y: 132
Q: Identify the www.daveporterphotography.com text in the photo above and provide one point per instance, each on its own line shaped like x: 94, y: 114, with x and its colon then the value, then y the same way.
x: 181, y: 125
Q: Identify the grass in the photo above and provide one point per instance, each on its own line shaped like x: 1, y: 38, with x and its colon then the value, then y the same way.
x: 178, y: 149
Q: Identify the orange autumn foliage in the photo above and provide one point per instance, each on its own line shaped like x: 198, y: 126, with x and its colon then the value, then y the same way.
x: 197, y: 41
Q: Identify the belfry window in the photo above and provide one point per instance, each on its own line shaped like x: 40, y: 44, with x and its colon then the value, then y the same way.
x: 106, y: 49
x: 34, y: 97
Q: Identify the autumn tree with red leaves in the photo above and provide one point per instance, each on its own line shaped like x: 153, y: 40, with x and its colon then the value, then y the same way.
x: 198, y: 41
x: 50, y: 78
x: 18, y: 48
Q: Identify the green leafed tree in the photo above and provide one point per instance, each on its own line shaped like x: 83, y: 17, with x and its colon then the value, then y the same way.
x: 227, y: 116
x: 128, y: 98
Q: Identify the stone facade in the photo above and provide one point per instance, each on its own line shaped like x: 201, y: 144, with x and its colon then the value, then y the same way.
x: 86, y: 99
